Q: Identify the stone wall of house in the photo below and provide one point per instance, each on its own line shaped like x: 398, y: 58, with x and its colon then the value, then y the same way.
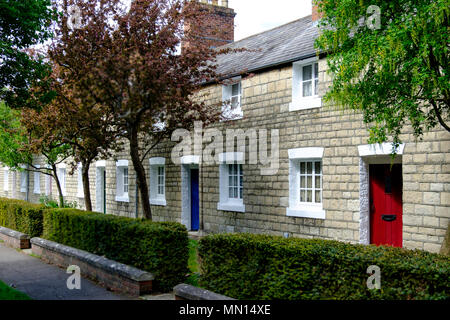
x: 265, y: 103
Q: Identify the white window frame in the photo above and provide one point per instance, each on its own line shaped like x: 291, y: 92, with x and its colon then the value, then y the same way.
x: 80, y: 188
x: 296, y: 207
x: 225, y: 202
x: 6, y: 179
x: 156, y: 198
x: 61, y: 172
x: 23, y: 179
x: 121, y: 195
x: 37, y: 180
x: 298, y: 101
x: 227, y: 96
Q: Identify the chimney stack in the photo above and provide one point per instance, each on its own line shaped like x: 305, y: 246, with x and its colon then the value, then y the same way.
x: 315, y: 11
x: 217, y: 25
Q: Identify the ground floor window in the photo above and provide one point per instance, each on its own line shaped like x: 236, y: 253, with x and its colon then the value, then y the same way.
x: 305, y: 183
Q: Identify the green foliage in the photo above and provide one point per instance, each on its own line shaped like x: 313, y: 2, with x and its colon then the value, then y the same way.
x: 157, y: 247
x: 11, y: 137
x: 21, y: 216
x: 246, y: 266
x: 8, y: 293
x: 23, y: 24
x: 50, y: 203
x: 397, y: 74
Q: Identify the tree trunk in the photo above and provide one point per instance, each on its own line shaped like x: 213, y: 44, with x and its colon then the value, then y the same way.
x: 86, y: 185
x: 58, y: 186
x: 141, y: 179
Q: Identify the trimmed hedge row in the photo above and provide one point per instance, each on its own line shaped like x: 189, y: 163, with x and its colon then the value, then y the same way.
x: 157, y: 247
x: 246, y: 266
x: 21, y: 216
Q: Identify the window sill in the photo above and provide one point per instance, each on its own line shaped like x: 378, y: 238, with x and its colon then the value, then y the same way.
x: 304, y: 104
x: 122, y: 198
x: 305, y: 212
x: 158, y: 202
x: 231, y: 206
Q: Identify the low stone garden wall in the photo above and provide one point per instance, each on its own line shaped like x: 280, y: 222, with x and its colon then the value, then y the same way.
x: 14, y: 239
x: 114, y: 276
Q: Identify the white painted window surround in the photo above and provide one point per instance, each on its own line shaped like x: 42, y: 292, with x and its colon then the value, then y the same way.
x: 226, y: 202
x: 232, y: 95
x: 80, y: 188
x: 157, y: 181
x: 122, y: 181
x: 305, y: 85
x: 61, y: 172
x: 37, y: 181
x: 6, y: 179
x: 297, y: 208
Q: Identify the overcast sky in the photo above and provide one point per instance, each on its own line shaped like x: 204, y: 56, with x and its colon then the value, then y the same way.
x: 254, y: 16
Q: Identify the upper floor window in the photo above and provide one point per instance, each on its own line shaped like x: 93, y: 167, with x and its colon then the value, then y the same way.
x: 231, y: 96
x: 305, y: 85
x: 310, y: 80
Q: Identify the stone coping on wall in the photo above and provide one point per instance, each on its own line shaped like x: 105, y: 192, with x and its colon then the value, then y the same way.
x: 187, y: 292
x: 14, y: 238
x: 111, y: 274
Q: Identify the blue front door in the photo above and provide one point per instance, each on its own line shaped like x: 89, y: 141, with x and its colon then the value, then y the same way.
x: 195, y: 216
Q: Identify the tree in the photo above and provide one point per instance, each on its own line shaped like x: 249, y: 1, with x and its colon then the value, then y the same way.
x: 23, y: 24
x: 135, y: 69
x: 393, y: 65
x: 24, y: 135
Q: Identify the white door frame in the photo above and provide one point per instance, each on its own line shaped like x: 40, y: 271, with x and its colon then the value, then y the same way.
x: 187, y: 163
x: 371, y: 154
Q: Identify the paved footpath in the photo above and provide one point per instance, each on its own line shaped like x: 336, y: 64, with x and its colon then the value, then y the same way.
x: 42, y: 281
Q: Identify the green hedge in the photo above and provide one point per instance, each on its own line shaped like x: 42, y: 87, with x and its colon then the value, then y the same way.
x: 157, y: 247
x: 21, y: 216
x: 245, y: 266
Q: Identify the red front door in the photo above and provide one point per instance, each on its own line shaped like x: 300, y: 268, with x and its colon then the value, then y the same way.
x: 386, y: 204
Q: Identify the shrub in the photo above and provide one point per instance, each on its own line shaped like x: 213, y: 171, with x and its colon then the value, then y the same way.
x: 157, y: 247
x: 245, y: 266
x: 21, y: 216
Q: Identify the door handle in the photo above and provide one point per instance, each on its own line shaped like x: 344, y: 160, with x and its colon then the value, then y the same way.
x: 389, y: 217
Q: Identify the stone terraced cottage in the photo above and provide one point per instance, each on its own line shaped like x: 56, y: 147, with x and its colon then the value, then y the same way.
x: 328, y: 183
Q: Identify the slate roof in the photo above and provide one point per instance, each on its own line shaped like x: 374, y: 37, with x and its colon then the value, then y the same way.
x: 284, y: 44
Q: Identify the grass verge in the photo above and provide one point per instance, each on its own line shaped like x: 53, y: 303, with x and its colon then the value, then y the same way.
x: 8, y: 293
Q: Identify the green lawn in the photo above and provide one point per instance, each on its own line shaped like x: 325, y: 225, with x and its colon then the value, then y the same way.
x: 8, y: 293
x: 193, y: 264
